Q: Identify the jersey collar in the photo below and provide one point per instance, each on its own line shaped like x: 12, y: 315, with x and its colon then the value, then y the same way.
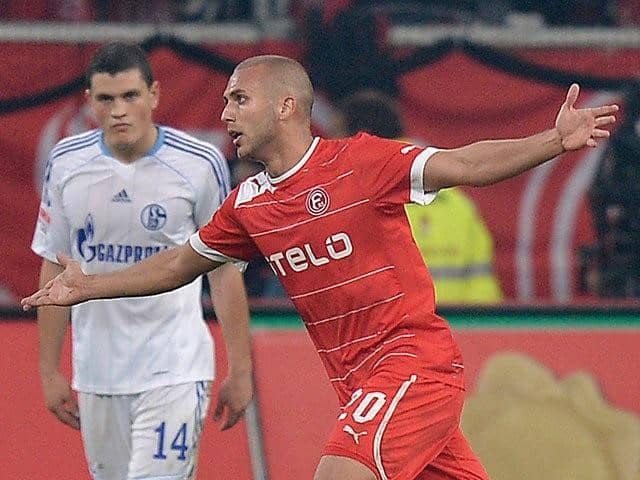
x: 104, y: 148
x: 297, y: 166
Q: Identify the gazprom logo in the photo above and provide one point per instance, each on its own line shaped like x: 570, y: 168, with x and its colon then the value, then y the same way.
x: 110, y: 252
x: 84, y: 236
x: 153, y: 216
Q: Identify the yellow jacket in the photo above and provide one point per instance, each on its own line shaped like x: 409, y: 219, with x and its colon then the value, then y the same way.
x: 457, y: 248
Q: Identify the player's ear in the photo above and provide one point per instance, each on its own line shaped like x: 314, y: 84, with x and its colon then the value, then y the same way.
x: 87, y: 94
x: 287, y: 107
x: 154, y: 89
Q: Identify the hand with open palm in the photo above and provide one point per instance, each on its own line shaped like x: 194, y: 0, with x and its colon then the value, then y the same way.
x: 65, y: 289
x: 582, y: 127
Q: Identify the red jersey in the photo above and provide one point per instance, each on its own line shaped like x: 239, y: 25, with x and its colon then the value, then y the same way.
x: 334, y: 230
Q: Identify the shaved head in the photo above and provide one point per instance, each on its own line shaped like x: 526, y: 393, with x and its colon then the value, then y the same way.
x: 284, y: 76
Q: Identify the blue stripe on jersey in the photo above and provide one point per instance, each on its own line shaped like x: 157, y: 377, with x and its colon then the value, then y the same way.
x: 223, y: 169
x: 76, y: 146
x: 221, y: 182
x: 75, y: 140
x: 207, y: 149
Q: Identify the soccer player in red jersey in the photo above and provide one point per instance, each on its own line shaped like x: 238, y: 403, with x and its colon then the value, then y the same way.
x: 328, y: 216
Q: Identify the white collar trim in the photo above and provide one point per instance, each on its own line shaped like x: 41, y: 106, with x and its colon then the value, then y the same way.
x: 297, y: 166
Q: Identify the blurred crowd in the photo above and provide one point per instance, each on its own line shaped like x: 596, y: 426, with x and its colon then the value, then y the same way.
x: 611, y: 265
x: 541, y: 12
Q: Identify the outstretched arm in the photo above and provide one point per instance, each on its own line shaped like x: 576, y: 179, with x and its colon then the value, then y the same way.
x: 488, y: 162
x: 159, y: 273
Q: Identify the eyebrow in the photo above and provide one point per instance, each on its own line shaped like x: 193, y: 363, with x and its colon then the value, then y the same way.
x: 133, y: 91
x: 234, y: 92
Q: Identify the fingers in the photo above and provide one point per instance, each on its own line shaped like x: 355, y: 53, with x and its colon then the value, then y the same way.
x: 604, y: 110
x: 572, y: 95
x: 233, y: 414
x: 38, y: 299
x: 29, y: 302
x: 232, y: 418
x: 68, y: 413
x: 602, y: 121
x: 597, y: 133
x: 217, y: 414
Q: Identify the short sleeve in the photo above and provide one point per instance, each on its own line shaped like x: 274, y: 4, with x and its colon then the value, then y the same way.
x: 395, y: 169
x: 213, y: 188
x: 52, y: 233
x: 224, y: 239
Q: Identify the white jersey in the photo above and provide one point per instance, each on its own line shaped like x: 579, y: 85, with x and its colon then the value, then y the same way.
x: 108, y: 215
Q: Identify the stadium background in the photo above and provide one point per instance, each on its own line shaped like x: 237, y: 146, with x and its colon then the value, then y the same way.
x: 452, y: 93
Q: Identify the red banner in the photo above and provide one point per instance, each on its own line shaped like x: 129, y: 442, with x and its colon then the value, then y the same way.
x: 538, y: 220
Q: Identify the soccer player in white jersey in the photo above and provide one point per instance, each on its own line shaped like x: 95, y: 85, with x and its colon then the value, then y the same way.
x: 328, y: 215
x: 142, y: 367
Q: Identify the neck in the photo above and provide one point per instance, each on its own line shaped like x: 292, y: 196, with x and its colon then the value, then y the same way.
x: 129, y: 153
x: 287, y: 155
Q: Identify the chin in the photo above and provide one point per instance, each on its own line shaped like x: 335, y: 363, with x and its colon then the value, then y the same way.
x: 243, y: 152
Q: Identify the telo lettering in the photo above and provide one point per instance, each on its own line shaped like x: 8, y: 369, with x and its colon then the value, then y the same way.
x: 299, y: 259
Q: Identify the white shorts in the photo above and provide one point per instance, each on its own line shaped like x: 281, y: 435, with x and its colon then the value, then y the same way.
x: 150, y: 435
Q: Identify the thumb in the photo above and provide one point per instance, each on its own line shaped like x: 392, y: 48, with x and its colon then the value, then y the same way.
x: 63, y: 259
x: 72, y: 407
x: 572, y: 95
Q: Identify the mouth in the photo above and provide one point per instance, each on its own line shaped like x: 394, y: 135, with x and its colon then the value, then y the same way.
x: 120, y: 126
x: 235, y: 136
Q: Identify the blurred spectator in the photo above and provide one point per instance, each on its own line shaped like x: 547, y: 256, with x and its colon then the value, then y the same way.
x: 611, y: 267
x: 450, y: 233
x: 348, y: 53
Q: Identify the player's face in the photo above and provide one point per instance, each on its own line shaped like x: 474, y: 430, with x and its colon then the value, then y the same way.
x: 250, y: 113
x: 123, y: 105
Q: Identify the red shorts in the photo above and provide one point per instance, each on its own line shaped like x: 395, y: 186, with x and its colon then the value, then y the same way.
x: 406, y: 427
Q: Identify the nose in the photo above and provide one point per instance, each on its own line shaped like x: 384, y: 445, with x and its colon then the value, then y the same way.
x: 119, y: 108
x: 226, y: 115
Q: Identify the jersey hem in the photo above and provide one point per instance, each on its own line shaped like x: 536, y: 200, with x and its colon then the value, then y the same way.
x: 46, y: 255
x: 96, y: 390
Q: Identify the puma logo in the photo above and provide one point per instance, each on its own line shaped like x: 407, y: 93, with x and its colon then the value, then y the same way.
x: 407, y: 149
x: 356, y: 435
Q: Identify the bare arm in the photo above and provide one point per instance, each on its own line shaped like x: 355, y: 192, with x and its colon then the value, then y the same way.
x: 52, y: 327
x: 232, y: 310
x: 159, y: 273
x: 488, y: 162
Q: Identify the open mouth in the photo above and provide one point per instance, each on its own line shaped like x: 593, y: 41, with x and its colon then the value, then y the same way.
x: 235, y: 136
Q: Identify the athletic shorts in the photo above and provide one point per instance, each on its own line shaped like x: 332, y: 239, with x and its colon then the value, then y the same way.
x: 406, y: 427
x: 151, y: 435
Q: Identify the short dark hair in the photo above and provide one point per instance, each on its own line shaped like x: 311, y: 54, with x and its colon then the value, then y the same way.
x: 373, y: 112
x: 119, y: 57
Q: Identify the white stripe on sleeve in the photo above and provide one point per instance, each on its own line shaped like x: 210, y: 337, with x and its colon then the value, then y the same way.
x: 418, y: 195
x: 203, y: 249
